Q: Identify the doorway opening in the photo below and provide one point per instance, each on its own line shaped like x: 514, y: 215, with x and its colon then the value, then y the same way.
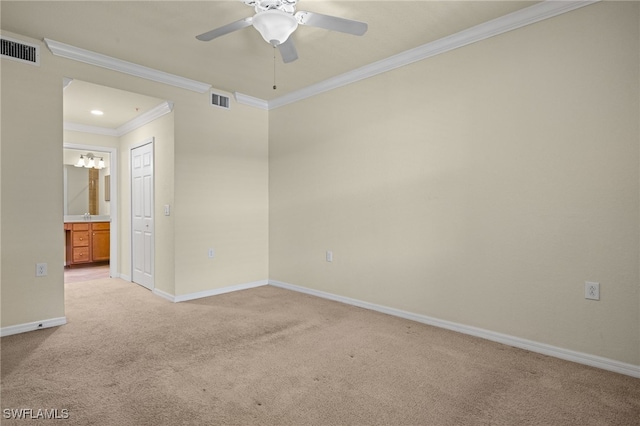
x: 90, y: 212
x: 98, y: 123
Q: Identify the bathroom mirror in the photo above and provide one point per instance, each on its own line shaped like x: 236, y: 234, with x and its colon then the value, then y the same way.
x: 84, y: 187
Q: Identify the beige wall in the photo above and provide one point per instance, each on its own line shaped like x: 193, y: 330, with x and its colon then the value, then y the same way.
x: 161, y: 131
x: 483, y: 186
x: 31, y: 213
x: 222, y: 175
x: 31, y: 217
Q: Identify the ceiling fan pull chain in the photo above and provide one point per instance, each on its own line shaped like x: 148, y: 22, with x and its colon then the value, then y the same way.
x: 274, y: 67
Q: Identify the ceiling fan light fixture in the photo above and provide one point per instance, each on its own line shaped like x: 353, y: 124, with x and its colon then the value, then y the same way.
x: 275, y: 26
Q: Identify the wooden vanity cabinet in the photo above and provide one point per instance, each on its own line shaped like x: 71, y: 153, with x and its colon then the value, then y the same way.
x: 100, y: 247
x: 87, y: 242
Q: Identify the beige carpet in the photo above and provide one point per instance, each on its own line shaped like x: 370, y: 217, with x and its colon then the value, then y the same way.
x: 268, y: 356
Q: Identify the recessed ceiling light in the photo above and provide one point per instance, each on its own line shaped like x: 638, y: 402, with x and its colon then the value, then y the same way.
x: 96, y: 112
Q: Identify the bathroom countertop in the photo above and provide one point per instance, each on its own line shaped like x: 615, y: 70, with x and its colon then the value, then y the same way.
x: 81, y: 218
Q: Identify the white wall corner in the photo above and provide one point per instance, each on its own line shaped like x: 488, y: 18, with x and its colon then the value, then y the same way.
x: 542, y: 348
x: 31, y: 326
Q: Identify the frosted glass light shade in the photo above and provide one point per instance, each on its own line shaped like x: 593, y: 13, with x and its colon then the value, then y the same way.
x: 91, y: 164
x: 275, y: 26
x: 80, y: 162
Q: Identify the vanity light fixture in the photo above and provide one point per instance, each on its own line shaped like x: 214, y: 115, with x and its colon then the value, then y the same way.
x: 82, y: 162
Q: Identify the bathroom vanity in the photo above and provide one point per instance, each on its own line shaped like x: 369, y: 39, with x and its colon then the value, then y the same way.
x: 87, y: 241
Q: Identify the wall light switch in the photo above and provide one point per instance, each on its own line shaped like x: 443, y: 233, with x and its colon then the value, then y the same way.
x: 212, y: 253
x: 167, y: 210
x: 329, y: 256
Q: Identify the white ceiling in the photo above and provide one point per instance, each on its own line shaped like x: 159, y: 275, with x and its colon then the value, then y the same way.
x: 161, y: 35
x: 119, y: 107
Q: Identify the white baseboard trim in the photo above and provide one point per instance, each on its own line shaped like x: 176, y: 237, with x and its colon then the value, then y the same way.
x: 164, y: 294
x: 541, y: 348
x: 209, y: 293
x: 31, y: 326
x: 124, y: 277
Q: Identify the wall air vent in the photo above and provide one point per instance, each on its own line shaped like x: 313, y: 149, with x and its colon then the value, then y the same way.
x: 220, y: 101
x: 20, y: 51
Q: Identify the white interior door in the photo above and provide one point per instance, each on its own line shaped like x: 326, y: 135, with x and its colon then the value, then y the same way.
x: 142, y: 215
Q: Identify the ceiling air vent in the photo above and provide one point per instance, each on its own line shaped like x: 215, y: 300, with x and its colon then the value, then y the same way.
x: 20, y: 51
x: 220, y: 101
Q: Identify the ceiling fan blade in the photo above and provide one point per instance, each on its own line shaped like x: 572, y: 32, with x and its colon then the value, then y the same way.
x: 332, y: 23
x: 226, y: 29
x: 288, y: 51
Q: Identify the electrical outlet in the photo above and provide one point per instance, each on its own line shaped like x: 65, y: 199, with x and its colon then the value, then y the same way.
x: 41, y: 269
x: 591, y: 290
x: 329, y: 256
x: 212, y: 253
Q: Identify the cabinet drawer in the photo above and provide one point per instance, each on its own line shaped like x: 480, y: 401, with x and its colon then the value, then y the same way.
x: 81, y: 254
x: 80, y: 226
x: 80, y: 239
x: 100, y: 226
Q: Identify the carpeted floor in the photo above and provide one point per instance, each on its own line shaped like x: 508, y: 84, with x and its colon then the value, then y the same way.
x: 86, y: 273
x: 269, y: 356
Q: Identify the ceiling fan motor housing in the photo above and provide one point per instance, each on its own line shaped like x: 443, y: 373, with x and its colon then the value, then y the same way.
x: 288, y: 6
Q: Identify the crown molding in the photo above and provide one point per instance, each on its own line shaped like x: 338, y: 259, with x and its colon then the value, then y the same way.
x: 95, y: 130
x: 131, y: 125
x: 88, y: 57
x: 147, y: 117
x: 251, y: 101
x: 66, y: 81
x: 512, y: 21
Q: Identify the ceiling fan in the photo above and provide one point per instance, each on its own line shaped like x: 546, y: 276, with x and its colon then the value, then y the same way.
x: 276, y: 20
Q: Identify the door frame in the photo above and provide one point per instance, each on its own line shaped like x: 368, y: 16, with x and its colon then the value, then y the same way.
x: 149, y: 140
x: 113, y: 194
